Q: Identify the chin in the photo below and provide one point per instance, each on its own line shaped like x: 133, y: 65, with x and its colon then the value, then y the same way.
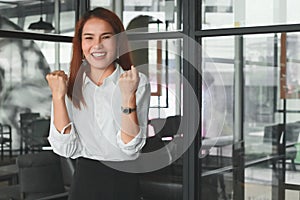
x: 101, y: 65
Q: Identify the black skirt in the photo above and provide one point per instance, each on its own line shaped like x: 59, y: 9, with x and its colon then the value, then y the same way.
x: 94, y: 180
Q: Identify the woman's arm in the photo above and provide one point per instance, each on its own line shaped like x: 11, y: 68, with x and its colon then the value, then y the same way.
x: 128, y: 84
x: 62, y: 136
x: 142, y: 101
x: 57, y: 81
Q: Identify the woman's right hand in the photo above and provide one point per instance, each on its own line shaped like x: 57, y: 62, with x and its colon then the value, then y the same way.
x: 57, y: 82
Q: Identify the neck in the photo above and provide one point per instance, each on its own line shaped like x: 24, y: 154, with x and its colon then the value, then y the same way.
x: 98, y: 75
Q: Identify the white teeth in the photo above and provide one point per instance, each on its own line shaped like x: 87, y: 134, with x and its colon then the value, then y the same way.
x: 98, y: 54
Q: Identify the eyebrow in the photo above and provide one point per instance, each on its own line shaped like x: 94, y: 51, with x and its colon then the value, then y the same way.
x: 91, y: 34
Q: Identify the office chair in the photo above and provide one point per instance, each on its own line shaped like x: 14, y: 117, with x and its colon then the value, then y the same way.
x: 41, y: 176
x: 36, y: 135
x: 274, y: 134
x: 165, y: 183
x: 25, y: 121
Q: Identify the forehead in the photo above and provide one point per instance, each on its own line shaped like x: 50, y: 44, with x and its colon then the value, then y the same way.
x: 96, y: 25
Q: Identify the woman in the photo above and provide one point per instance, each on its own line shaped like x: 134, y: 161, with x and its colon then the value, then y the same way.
x: 100, y: 112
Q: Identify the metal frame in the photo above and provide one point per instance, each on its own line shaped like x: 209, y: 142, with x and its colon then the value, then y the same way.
x: 191, y: 176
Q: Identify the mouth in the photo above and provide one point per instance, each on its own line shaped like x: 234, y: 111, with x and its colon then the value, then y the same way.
x: 98, y: 54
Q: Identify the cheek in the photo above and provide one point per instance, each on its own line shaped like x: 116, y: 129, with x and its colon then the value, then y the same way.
x: 85, y: 48
x: 112, y: 46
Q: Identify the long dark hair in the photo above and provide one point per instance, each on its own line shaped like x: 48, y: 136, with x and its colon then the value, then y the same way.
x: 74, y: 90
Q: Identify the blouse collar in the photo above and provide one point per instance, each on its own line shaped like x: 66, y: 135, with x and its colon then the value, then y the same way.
x: 114, y: 77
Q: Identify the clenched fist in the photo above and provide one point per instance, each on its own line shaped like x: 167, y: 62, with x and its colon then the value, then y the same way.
x: 57, y: 82
x: 128, y: 83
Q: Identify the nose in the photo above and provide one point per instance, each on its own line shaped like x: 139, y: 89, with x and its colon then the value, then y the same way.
x: 98, y: 44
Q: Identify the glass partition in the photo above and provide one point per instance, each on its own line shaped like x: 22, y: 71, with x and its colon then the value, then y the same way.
x: 18, y: 15
x: 244, y: 13
x: 161, y: 61
x: 271, y: 115
x: 154, y: 15
x: 217, y: 118
x: 292, y: 99
x: 23, y: 66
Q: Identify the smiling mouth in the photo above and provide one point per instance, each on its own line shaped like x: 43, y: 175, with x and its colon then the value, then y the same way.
x: 98, y: 54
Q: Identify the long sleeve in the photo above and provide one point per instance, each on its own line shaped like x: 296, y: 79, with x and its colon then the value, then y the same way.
x: 67, y: 145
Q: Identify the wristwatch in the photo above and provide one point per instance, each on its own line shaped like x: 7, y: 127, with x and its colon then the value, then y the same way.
x: 127, y: 110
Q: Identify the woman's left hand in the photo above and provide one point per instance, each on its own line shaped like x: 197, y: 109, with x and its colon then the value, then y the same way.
x: 128, y: 83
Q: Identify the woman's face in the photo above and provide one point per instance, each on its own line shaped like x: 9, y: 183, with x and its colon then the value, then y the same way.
x: 98, y: 43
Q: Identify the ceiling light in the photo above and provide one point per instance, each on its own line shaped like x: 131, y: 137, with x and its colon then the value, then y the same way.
x: 41, y: 25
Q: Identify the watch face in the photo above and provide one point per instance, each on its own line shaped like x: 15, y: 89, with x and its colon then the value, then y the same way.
x: 126, y: 110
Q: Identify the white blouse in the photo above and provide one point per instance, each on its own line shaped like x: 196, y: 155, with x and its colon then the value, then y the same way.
x: 95, y: 129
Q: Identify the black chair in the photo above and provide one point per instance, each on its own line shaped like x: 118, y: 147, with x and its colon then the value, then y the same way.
x: 41, y: 176
x: 166, y: 127
x: 274, y: 134
x: 25, y: 121
x: 5, y: 139
x: 36, y: 135
x: 10, y: 192
x: 167, y: 130
x: 165, y: 183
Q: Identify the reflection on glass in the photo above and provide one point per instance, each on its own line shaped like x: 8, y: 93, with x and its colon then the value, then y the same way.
x: 263, y: 123
x: 161, y: 61
x: 289, y: 70
x: 24, y: 87
x: 163, y: 11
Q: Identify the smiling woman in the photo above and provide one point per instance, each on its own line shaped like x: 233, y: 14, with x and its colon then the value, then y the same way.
x: 100, y: 112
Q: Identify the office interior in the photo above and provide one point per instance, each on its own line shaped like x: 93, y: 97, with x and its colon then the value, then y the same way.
x: 224, y: 116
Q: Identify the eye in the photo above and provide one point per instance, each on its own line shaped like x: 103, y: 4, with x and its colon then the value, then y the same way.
x: 88, y: 38
x: 106, y: 37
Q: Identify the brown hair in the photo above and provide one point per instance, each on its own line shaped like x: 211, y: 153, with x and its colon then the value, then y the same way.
x: 75, y: 82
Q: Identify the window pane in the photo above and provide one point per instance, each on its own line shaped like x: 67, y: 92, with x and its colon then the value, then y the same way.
x: 292, y: 94
x: 161, y: 61
x: 146, y: 15
x: 162, y: 15
x: 19, y: 15
x: 270, y: 74
x: 23, y: 87
x: 228, y: 13
x: 217, y: 117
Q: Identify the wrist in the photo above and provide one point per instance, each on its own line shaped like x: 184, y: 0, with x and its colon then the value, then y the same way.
x: 58, y: 99
x: 127, y: 110
x: 129, y: 101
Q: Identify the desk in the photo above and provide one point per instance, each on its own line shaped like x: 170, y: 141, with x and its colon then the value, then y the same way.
x: 9, y: 173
